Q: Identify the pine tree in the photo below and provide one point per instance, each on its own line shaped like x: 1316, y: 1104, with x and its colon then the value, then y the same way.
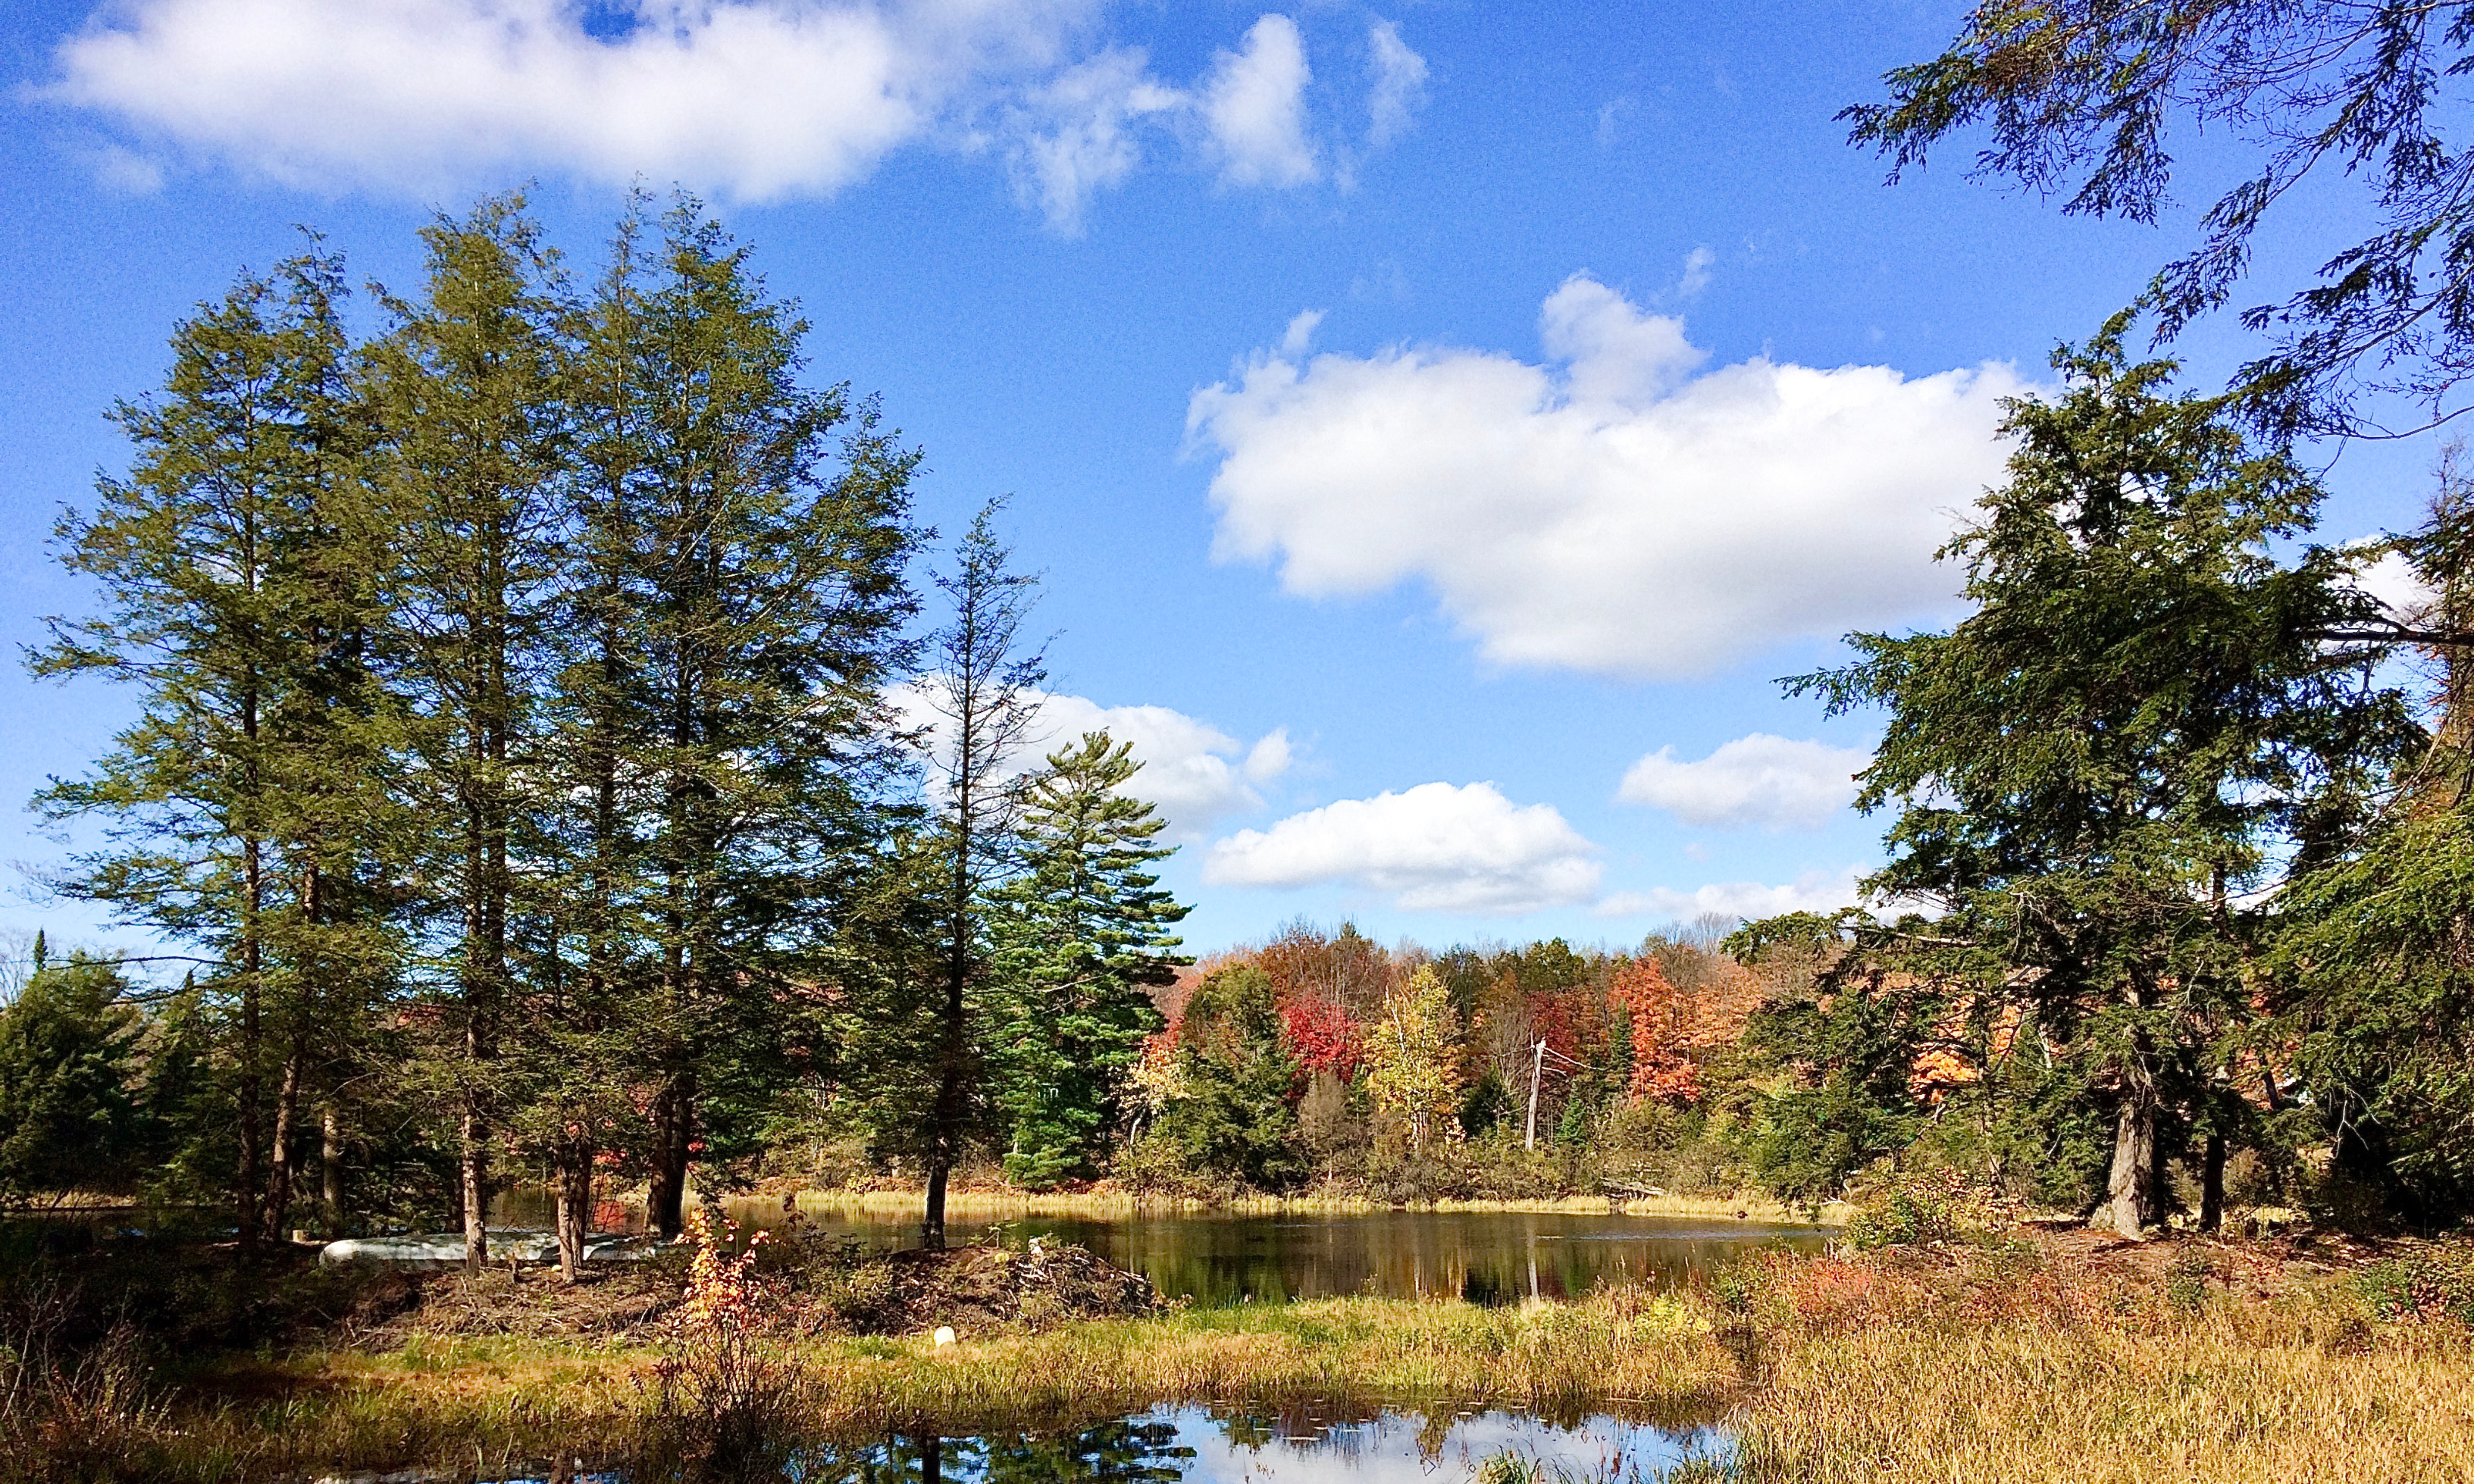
x: 2097, y: 772
x: 739, y: 605
x: 983, y: 690
x: 469, y: 391
x: 2377, y: 948
x: 1080, y: 934
x: 235, y: 600
x: 68, y: 1117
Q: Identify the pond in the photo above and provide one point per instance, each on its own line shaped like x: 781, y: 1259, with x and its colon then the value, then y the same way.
x: 1208, y: 1446
x: 1483, y: 1257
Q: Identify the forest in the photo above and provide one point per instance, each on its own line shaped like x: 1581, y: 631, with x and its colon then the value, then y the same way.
x: 553, y: 770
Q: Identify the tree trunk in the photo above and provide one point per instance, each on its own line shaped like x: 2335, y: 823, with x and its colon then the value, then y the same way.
x: 2130, y: 1204
x: 932, y: 1226
x: 673, y: 1129
x: 944, y: 1138
x: 574, y: 1203
x: 330, y: 1171
x: 251, y: 1212
x: 2160, y: 1179
x: 287, y: 1117
x: 473, y: 1169
x: 2212, y: 1184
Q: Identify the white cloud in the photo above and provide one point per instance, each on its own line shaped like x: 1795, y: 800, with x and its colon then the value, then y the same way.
x: 1253, y: 103
x: 1697, y: 264
x: 1817, y: 890
x: 1191, y: 770
x: 1754, y: 780
x: 1269, y: 756
x: 1397, y: 82
x: 1075, y: 136
x: 1300, y: 332
x: 1619, y: 510
x: 753, y: 100
x: 2398, y: 587
x: 1434, y: 847
x: 762, y: 99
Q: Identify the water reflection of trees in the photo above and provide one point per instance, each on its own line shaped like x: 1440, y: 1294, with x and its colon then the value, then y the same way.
x: 1483, y: 1257
x: 1123, y: 1451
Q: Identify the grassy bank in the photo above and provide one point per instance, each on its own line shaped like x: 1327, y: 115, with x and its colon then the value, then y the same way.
x: 2083, y: 1359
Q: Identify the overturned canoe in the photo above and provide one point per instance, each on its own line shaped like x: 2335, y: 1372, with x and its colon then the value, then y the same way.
x: 439, y: 1252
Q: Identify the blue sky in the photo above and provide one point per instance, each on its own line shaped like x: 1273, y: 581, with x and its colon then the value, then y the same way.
x: 1438, y: 424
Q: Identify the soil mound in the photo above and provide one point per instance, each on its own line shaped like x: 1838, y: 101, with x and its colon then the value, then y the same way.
x: 975, y: 1289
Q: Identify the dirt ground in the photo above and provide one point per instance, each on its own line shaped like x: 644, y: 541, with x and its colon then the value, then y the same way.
x: 816, y: 1291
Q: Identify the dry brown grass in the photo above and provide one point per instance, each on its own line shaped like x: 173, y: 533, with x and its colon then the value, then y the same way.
x: 2092, y: 1363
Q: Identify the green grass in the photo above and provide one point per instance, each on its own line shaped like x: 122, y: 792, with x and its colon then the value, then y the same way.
x: 1980, y: 1368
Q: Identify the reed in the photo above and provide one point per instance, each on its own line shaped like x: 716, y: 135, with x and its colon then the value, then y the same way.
x: 1984, y: 1369
x: 2028, y: 1399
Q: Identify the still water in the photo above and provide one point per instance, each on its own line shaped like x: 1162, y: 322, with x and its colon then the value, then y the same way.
x: 1483, y: 1257
x: 1199, y: 1445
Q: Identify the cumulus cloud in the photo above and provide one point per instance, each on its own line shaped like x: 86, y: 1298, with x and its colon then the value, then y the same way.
x: 766, y: 99
x: 1435, y: 848
x: 1755, y: 780
x: 1815, y: 890
x: 1618, y: 509
x: 752, y: 99
x: 1254, y: 104
x: 1195, y: 773
x: 2399, y: 588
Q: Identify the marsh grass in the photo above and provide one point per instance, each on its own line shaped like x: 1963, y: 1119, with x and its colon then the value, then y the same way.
x: 1990, y: 1366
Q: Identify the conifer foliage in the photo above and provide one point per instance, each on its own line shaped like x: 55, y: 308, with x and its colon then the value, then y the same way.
x: 518, y: 763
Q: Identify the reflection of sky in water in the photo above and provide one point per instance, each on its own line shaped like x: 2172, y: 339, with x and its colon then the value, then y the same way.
x: 1194, y: 1444
x: 1404, y: 1449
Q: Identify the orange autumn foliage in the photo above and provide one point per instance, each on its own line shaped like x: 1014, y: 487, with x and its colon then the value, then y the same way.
x: 1660, y: 1071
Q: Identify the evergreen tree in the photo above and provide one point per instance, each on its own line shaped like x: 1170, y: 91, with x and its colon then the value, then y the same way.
x: 467, y: 485
x: 2378, y: 942
x: 1081, y: 933
x: 739, y: 604
x: 983, y: 691
x: 1231, y: 1109
x: 2097, y: 770
x: 241, y: 802
x: 69, y: 1119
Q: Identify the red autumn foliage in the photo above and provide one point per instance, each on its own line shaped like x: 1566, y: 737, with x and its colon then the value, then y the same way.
x: 1660, y: 1071
x: 1321, y: 1036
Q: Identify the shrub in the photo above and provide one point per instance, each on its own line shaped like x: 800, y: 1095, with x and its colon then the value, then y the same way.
x: 2424, y: 1286
x: 724, y: 1403
x: 1921, y: 1208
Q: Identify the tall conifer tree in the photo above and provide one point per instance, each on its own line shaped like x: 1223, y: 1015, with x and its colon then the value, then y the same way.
x: 984, y: 693
x: 2097, y: 772
x: 745, y: 539
x: 239, y: 809
x: 1080, y: 933
x: 469, y: 389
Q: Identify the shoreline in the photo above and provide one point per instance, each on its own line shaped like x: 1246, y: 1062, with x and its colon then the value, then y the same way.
x: 2183, y: 1359
x: 1105, y: 1203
